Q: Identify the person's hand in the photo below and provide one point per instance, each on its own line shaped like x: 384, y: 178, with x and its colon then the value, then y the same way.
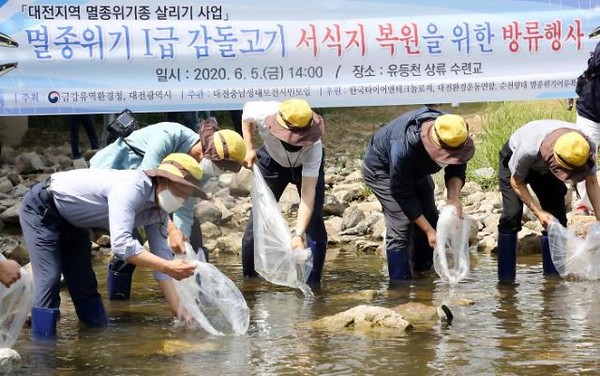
x: 431, y: 238
x: 184, y: 317
x: 297, y: 242
x: 456, y: 203
x: 179, y: 269
x: 249, y: 159
x: 177, y: 240
x: 10, y: 272
x: 544, y: 217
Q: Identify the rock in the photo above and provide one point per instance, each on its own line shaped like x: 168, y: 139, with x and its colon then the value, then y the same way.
x: 241, y: 183
x: 352, y: 216
x: 10, y: 361
x: 417, y: 312
x: 210, y: 230
x: 365, y: 318
x: 364, y: 295
x: 79, y: 163
x: 176, y: 347
x: 230, y: 243
x: 333, y: 227
x: 28, y: 163
x: 11, y: 215
x: 333, y: 206
x: 206, y: 211
x: 6, y: 185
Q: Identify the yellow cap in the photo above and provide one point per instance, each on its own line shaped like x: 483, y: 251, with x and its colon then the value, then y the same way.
x: 294, y: 113
x: 450, y: 130
x: 229, y: 145
x: 571, y: 150
x: 181, y: 164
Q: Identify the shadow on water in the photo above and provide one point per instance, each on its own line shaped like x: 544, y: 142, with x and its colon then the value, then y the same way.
x: 538, y: 326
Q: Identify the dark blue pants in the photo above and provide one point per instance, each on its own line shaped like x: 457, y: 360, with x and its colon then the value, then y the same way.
x: 277, y: 178
x: 401, y: 232
x: 88, y: 124
x: 56, y: 246
x: 549, y: 190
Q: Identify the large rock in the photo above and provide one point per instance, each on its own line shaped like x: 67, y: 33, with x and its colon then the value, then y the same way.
x: 28, y: 163
x: 365, y: 318
x: 10, y: 361
x: 206, y: 211
x: 420, y: 314
x: 241, y: 183
x: 11, y: 215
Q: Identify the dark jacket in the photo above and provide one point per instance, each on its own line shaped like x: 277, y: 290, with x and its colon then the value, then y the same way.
x: 587, y: 103
x: 396, y: 151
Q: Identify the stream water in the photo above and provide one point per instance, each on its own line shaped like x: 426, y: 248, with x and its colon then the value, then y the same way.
x: 539, y: 326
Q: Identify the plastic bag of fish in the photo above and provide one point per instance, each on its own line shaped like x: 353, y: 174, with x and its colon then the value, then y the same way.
x: 451, y: 253
x: 573, y: 256
x: 274, y: 258
x: 211, y: 299
x: 15, y: 302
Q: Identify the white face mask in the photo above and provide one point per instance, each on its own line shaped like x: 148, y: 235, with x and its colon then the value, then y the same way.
x: 169, y: 202
x: 209, y: 168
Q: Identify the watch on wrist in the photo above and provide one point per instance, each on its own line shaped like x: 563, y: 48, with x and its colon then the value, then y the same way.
x: 299, y: 234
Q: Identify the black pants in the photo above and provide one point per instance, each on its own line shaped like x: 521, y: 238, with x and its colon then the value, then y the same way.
x: 549, y: 189
x: 277, y: 178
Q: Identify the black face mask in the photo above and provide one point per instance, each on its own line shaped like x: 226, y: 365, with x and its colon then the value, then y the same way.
x: 291, y: 148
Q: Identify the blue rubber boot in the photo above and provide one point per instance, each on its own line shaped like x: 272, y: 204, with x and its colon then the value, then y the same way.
x: 119, y: 280
x: 547, y: 263
x: 43, y: 322
x: 507, y: 256
x: 91, y: 312
x: 318, y: 250
x: 398, y: 264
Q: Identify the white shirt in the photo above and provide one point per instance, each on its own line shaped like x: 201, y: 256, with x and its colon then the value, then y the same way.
x: 309, y: 157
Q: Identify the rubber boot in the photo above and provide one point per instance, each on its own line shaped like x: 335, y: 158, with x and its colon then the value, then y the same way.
x: 91, y: 312
x: 422, y: 253
x: 318, y: 249
x: 507, y: 256
x: 398, y: 264
x: 43, y: 322
x: 119, y: 280
x: 547, y: 262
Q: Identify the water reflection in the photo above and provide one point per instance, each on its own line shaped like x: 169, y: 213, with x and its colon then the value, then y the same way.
x: 538, y: 326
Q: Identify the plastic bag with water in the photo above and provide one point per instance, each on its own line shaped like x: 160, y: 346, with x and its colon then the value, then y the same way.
x: 574, y: 256
x: 451, y: 253
x: 15, y: 305
x: 274, y: 259
x: 211, y: 298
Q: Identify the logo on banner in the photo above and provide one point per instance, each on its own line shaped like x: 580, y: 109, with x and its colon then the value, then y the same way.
x: 53, y: 97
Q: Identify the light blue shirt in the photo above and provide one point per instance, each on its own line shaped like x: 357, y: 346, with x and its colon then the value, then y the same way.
x: 118, y: 201
x: 156, y: 141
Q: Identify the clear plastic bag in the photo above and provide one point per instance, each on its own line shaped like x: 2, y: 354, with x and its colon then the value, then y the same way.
x: 573, y: 256
x: 274, y: 258
x: 451, y: 254
x: 211, y: 298
x: 15, y: 305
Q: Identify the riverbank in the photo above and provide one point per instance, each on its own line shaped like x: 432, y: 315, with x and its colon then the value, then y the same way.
x: 353, y: 215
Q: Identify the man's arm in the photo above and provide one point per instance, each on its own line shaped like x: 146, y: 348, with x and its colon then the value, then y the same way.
x: 305, y: 210
x: 522, y: 191
x: 593, y: 191
x: 248, y: 128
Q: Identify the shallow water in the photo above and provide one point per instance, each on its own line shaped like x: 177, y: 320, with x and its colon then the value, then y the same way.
x: 539, y: 326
